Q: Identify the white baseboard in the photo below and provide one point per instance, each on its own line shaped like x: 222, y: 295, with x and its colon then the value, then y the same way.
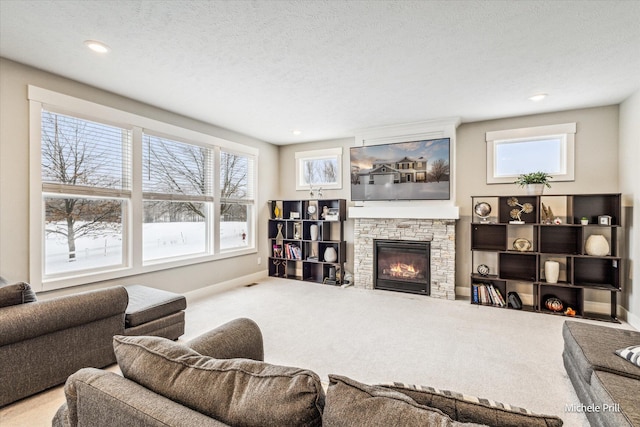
x: 631, y: 318
x: 225, y: 286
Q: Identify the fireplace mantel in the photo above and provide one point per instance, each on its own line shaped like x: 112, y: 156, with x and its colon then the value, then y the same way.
x: 392, y: 210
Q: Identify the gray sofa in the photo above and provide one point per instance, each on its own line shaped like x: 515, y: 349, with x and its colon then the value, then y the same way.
x: 220, y: 379
x: 43, y: 342
x: 607, y: 385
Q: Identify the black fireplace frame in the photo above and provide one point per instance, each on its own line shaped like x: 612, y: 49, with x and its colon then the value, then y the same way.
x: 401, y: 285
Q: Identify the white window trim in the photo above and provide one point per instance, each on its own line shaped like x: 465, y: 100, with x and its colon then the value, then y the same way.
x: 327, y: 153
x: 566, y: 130
x: 40, y: 98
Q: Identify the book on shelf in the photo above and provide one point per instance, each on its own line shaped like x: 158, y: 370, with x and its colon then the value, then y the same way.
x: 293, y: 251
x: 486, y: 294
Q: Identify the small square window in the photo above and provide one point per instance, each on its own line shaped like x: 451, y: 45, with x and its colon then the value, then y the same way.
x: 513, y: 152
x: 319, y: 168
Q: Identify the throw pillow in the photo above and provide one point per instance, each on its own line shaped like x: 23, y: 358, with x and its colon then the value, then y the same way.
x: 238, y: 392
x: 17, y: 293
x: 631, y: 353
x: 350, y: 403
x: 464, y: 408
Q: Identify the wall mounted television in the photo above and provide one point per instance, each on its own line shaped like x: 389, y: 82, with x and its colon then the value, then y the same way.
x: 413, y: 170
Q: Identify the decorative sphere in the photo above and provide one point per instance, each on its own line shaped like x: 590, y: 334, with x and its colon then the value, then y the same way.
x: 482, y: 209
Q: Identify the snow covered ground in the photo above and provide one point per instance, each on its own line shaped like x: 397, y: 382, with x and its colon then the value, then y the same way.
x: 401, y: 191
x: 160, y: 240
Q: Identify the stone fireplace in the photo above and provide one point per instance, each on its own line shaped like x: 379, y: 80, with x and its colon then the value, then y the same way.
x: 438, y: 233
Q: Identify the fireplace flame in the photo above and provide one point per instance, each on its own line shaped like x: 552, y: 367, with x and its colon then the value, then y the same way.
x: 403, y: 270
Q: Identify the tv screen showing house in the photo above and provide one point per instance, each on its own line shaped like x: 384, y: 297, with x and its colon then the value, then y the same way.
x: 414, y: 170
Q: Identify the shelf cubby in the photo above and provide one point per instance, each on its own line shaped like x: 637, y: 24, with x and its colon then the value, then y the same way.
x: 517, y: 266
x: 488, y: 237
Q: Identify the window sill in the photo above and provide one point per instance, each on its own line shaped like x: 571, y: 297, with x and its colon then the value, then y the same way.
x: 120, y: 272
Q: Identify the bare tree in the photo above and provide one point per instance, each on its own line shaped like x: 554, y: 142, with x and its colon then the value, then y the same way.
x: 178, y: 168
x: 439, y: 171
x: 70, y: 157
x: 355, y: 175
x: 234, y: 184
x: 320, y: 171
x: 175, y: 168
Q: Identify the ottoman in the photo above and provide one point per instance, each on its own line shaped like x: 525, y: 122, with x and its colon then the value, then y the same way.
x: 154, y: 312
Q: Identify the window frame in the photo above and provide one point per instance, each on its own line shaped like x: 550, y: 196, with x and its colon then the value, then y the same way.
x: 40, y: 98
x: 327, y: 153
x: 565, y: 132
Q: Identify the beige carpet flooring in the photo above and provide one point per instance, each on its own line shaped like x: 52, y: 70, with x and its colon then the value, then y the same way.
x: 380, y: 336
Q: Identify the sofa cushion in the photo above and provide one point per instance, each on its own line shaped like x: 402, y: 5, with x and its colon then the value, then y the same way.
x: 350, y: 403
x: 592, y: 347
x: 16, y: 293
x: 238, y: 392
x: 631, y: 353
x: 617, y: 397
x: 147, y: 304
x: 467, y: 408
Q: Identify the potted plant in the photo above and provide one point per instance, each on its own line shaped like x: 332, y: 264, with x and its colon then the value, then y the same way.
x: 584, y: 220
x: 534, y: 181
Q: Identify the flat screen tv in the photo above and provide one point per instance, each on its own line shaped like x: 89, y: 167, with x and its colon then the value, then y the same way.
x: 414, y: 170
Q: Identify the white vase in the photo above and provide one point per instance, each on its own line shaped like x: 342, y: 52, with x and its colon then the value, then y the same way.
x: 330, y: 254
x: 551, y: 271
x: 313, y: 231
x: 596, y: 245
x: 535, y: 189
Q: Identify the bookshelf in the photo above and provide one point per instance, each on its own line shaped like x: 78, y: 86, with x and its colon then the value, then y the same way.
x: 307, y: 240
x: 509, y: 255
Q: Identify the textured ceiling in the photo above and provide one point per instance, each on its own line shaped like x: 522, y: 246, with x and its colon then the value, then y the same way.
x: 327, y: 68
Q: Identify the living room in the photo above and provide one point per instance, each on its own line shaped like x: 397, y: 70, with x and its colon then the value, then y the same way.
x: 606, y: 140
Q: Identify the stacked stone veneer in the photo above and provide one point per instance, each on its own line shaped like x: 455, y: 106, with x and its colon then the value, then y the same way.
x: 441, y: 234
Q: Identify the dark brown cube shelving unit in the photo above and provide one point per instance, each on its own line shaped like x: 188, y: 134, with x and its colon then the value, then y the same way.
x: 294, y: 215
x: 563, y: 242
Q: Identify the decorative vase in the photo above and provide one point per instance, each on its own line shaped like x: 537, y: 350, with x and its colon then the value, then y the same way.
x: 596, y: 245
x: 276, y: 212
x: 554, y: 304
x: 535, y: 189
x: 551, y: 271
x: 279, y: 236
x: 330, y: 254
x: 313, y: 231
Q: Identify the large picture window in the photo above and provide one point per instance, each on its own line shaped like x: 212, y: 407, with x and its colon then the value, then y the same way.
x: 122, y: 194
x: 85, y: 191
x: 513, y: 152
x: 236, y: 200
x: 177, y: 193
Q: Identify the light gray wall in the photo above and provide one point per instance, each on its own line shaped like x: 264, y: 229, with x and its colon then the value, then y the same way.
x: 288, y: 179
x: 596, y: 169
x: 630, y: 189
x: 596, y: 158
x: 14, y: 181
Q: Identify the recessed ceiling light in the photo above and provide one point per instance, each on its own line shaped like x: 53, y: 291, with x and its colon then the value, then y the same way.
x: 296, y: 132
x: 538, y: 97
x: 97, y: 46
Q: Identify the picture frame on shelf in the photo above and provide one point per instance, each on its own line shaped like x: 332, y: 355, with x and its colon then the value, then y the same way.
x: 604, y: 220
x: 333, y: 214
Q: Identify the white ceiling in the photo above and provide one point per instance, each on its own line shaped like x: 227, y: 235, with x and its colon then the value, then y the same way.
x: 327, y: 68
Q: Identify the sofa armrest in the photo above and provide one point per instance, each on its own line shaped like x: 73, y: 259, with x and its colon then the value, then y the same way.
x: 239, y: 338
x: 25, y: 321
x: 100, y: 398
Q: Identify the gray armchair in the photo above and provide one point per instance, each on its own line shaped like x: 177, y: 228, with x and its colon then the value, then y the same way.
x: 42, y: 343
